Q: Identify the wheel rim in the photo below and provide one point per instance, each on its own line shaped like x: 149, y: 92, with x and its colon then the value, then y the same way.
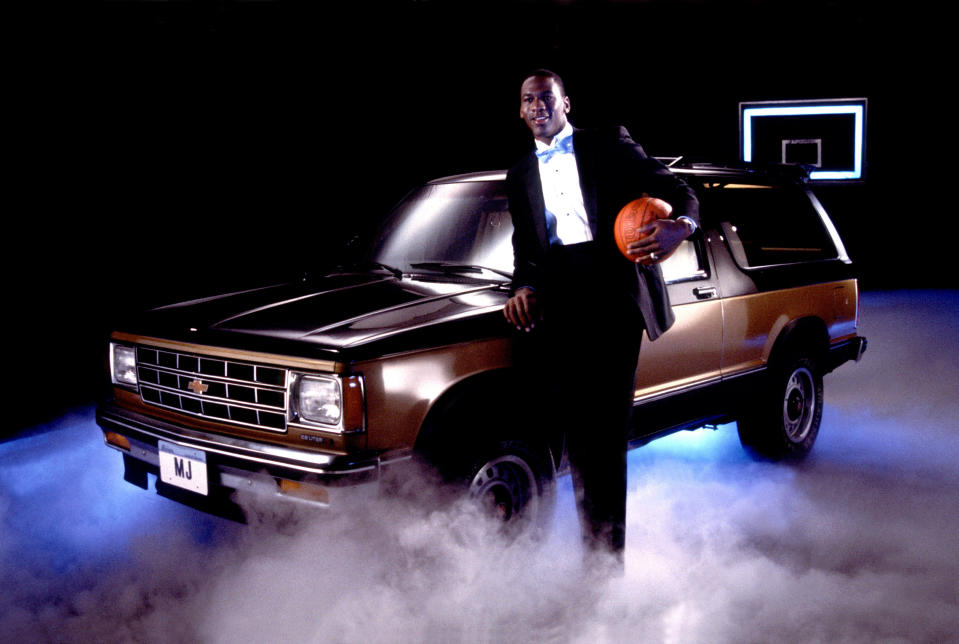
x: 799, y: 402
x: 506, y: 487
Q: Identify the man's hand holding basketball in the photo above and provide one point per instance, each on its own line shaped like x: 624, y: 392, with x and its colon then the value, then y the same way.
x: 521, y: 310
x: 658, y: 239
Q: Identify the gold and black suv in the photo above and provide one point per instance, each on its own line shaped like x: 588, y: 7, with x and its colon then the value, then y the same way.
x: 316, y: 389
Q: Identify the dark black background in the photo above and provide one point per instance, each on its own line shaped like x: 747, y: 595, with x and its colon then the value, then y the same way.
x: 170, y: 149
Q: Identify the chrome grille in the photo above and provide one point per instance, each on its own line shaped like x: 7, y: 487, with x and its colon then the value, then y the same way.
x: 241, y: 393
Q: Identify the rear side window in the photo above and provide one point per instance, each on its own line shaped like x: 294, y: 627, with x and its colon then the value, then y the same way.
x: 770, y: 226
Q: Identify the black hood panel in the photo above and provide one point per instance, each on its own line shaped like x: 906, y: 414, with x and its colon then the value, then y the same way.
x: 331, y: 313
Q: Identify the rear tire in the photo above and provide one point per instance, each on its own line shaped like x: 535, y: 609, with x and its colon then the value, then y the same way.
x: 786, y: 421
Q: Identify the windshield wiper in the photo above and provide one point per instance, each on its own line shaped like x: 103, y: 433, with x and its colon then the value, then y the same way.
x: 452, y: 267
x: 368, y: 263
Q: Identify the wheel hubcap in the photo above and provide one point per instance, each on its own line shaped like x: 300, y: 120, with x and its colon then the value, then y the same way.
x: 505, y: 486
x: 798, y: 404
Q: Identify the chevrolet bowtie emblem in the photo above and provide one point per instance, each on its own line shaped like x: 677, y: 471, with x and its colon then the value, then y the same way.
x: 198, y: 387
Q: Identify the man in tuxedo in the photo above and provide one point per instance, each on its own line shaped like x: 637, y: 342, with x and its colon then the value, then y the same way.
x: 579, y: 304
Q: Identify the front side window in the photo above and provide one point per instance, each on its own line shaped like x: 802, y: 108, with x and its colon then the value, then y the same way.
x: 685, y: 264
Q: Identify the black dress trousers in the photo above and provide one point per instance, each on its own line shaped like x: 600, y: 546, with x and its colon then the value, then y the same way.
x: 584, y: 354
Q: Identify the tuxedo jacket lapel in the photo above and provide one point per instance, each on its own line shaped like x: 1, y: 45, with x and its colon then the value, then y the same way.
x: 534, y: 188
x: 587, y: 178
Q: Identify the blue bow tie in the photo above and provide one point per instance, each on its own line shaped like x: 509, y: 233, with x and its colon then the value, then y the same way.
x: 563, y: 146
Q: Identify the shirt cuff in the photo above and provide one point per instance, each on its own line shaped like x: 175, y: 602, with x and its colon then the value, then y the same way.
x: 692, y: 223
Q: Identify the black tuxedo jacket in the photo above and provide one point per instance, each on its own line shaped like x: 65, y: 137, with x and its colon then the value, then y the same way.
x: 613, y: 170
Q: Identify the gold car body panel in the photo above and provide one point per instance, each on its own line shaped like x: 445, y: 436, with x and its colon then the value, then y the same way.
x: 401, y: 389
x: 719, y: 338
x: 752, y: 323
x: 697, y: 337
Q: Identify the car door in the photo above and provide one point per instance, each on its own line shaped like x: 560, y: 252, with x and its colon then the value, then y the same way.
x: 689, y: 354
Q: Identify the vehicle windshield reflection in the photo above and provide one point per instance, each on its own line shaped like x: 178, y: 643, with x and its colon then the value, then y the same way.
x: 447, y: 225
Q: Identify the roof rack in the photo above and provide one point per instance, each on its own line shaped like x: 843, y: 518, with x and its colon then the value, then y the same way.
x: 669, y: 162
x: 783, y: 171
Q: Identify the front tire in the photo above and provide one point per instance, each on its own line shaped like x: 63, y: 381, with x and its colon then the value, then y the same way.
x: 785, y: 423
x: 514, y: 485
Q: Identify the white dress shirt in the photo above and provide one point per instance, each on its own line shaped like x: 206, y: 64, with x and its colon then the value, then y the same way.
x: 566, y: 219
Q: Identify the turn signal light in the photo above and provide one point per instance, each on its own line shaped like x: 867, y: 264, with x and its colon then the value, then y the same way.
x: 117, y: 439
x: 306, y: 491
x: 353, y: 406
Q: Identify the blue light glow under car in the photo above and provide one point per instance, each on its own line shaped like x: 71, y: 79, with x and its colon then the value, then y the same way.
x: 857, y: 110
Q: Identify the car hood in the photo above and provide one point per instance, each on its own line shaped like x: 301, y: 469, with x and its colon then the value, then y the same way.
x: 333, y: 312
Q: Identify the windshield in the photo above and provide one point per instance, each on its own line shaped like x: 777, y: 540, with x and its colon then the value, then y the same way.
x: 464, y: 224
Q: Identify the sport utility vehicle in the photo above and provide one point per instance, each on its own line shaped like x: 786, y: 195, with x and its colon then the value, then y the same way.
x: 316, y: 388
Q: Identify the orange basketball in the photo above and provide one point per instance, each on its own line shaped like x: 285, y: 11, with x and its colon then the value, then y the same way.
x: 635, y: 215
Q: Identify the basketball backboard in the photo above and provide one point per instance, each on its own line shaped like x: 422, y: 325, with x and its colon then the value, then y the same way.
x: 828, y: 135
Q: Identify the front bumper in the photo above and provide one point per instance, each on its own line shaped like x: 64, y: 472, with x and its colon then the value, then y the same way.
x: 234, y: 464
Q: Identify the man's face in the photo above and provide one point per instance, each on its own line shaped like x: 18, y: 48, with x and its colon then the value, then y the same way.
x: 543, y: 107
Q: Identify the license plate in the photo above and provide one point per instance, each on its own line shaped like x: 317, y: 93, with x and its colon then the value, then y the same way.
x: 183, y: 467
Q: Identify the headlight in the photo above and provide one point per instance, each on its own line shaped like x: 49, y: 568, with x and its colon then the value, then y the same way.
x: 319, y: 400
x: 123, y: 365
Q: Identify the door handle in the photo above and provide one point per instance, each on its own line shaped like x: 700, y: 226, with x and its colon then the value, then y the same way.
x: 704, y: 293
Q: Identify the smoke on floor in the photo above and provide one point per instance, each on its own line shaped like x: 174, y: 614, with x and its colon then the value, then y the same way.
x: 857, y: 544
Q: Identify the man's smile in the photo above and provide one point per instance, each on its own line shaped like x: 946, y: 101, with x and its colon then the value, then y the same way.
x: 543, y: 107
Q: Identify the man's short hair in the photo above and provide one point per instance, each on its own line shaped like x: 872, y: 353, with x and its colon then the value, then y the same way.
x: 545, y: 73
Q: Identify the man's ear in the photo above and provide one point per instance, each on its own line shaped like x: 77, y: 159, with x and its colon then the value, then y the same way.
x: 566, y: 104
